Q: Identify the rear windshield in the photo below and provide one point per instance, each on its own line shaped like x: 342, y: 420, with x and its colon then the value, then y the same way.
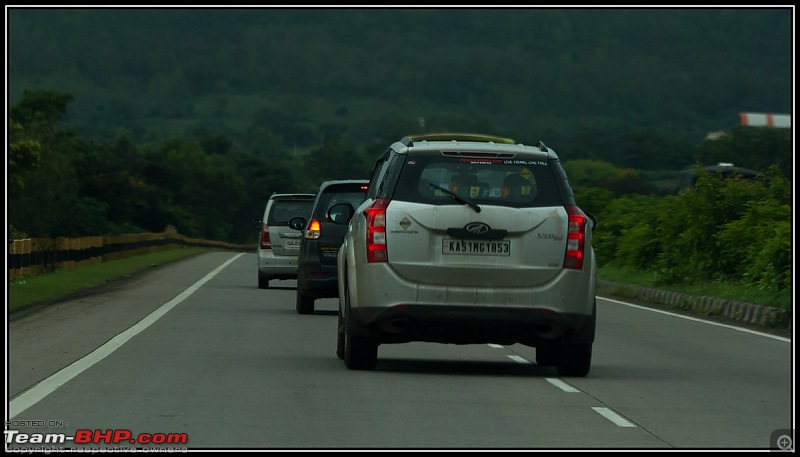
x: 519, y: 183
x: 283, y: 210
x: 355, y: 194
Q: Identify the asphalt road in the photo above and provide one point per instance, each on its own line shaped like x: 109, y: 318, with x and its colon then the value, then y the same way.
x: 195, y: 349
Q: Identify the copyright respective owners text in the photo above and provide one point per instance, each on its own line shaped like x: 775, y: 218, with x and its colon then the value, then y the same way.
x: 95, y: 450
x: 782, y: 440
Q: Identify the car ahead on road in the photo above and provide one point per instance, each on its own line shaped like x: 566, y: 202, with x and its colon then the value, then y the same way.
x: 468, y: 239
x: 322, y: 236
x: 278, y: 244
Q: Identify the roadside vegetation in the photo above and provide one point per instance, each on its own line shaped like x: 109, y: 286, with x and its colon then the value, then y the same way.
x: 719, y: 289
x: 60, y: 285
x: 729, y: 238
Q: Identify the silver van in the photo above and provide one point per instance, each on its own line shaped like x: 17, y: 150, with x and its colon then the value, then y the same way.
x: 278, y: 245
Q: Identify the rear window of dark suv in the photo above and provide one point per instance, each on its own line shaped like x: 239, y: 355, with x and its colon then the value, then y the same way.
x: 353, y: 193
x: 518, y: 183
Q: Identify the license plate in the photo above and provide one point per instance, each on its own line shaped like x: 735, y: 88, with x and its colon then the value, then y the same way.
x: 292, y: 243
x: 476, y: 247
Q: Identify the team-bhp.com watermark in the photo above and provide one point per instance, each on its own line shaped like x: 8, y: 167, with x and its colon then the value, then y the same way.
x: 115, y: 440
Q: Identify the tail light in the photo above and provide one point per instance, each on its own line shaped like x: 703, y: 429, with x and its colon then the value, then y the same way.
x: 313, y: 232
x: 376, y: 231
x: 576, y: 238
x: 265, y: 241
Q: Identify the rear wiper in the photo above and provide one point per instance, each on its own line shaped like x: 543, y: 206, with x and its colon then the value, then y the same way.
x: 457, y: 197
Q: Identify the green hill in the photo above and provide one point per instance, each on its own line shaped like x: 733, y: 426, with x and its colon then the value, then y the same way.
x: 283, y: 80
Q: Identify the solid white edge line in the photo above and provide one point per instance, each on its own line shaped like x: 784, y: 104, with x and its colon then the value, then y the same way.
x: 732, y: 327
x: 49, y: 385
x: 613, y: 417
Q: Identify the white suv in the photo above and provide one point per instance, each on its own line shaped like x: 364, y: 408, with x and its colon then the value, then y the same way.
x: 278, y: 245
x: 468, y: 239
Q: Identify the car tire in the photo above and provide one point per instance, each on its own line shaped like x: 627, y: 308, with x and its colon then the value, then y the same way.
x: 575, y: 359
x: 340, y: 336
x: 344, y: 303
x: 263, y: 283
x: 547, y: 355
x: 305, y: 304
x: 360, y: 353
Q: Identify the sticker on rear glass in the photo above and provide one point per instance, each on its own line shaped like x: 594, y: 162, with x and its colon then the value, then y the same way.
x: 526, y: 162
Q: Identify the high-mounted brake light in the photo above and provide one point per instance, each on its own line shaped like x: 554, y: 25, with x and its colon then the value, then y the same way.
x: 265, y: 241
x: 313, y: 232
x: 576, y: 237
x: 376, y: 231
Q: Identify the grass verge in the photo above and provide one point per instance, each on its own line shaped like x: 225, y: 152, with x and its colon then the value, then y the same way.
x: 62, y: 284
x: 730, y: 291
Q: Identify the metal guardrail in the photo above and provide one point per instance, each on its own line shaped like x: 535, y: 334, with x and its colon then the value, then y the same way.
x: 33, y: 256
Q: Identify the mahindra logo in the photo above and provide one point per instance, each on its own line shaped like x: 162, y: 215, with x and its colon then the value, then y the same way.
x: 477, y: 228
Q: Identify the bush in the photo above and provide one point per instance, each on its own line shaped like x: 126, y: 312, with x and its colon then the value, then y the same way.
x: 722, y: 230
x: 616, y: 219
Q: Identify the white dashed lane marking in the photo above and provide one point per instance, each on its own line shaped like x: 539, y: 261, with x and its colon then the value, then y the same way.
x: 562, y: 385
x: 613, y: 417
x: 602, y: 410
x: 518, y: 359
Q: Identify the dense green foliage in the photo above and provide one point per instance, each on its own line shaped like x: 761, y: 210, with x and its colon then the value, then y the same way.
x: 595, y: 173
x: 721, y: 230
x: 634, y: 87
x: 63, y: 185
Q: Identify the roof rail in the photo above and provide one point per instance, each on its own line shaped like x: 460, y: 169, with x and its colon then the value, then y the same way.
x: 457, y: 137
x: 542, y: 147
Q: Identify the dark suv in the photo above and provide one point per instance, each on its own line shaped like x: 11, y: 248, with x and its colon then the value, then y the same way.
x: 322, y: 237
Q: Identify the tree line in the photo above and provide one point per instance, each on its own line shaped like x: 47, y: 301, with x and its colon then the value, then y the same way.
x: 63, y: 185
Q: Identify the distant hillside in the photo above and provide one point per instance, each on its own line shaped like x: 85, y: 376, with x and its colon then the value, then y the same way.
x: 284, y: 80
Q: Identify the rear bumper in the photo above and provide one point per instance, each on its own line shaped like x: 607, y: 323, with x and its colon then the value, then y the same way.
x: 318, y: 281
x: 272, y: 266
x: 472, y: 325
x: 386, y: 306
